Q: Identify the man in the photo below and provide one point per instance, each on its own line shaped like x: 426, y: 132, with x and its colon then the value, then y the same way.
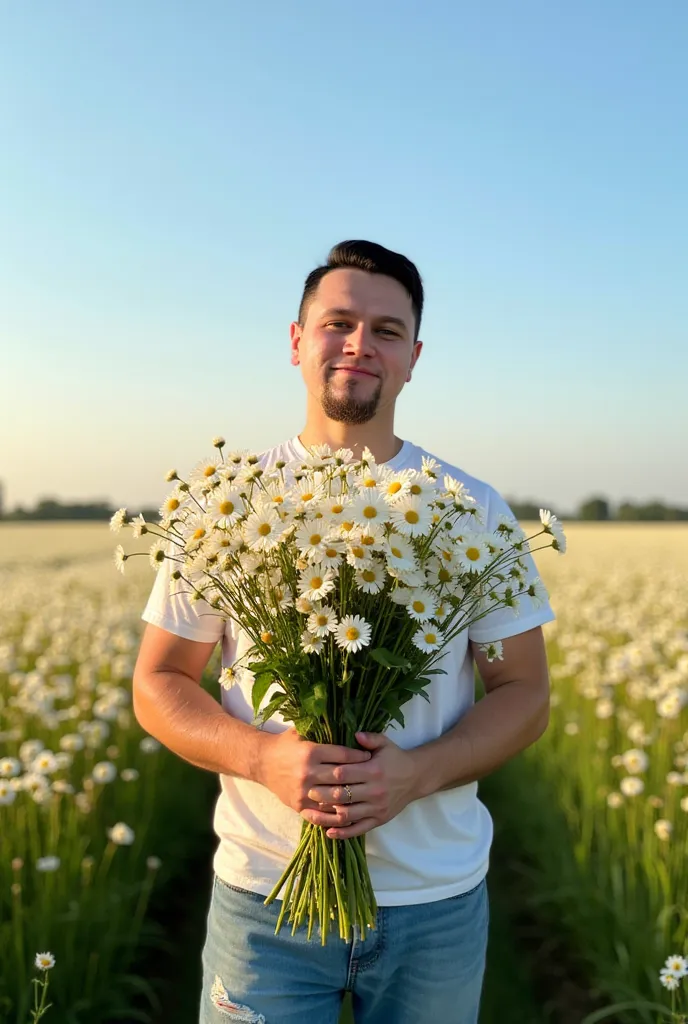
x: 413, y: 790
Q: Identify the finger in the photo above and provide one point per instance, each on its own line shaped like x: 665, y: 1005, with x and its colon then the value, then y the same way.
x: 339, y: 794
x: 345, y: 774
x: 349, y: 831
x: 341, y: 817
x: 333, y: 754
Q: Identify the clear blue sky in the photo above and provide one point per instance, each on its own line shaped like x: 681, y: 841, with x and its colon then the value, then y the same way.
x: 170, y: 172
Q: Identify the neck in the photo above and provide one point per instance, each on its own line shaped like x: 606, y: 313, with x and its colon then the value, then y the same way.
x: 377, y: 435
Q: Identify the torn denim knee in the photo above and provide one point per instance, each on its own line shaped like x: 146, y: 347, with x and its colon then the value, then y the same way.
x: 236, y: 1012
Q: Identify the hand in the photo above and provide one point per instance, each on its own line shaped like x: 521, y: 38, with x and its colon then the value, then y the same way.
x: 291, y: 767
x: 380, y: 789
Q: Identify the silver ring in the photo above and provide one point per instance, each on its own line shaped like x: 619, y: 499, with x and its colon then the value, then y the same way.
x: 349, y: 794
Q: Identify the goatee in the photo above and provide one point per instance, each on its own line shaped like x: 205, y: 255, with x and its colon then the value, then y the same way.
x: 347, y: 407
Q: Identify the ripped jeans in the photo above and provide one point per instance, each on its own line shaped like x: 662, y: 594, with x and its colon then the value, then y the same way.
x: 422, y: 963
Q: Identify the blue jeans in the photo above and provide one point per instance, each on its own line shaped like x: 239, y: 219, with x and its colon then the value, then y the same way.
x: 423, y: 962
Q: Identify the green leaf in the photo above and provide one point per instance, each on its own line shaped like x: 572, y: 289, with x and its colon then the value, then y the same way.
x: 609, y: 1011
x: 262, y: 684
x: 273, y: 705
x: 389, y: 659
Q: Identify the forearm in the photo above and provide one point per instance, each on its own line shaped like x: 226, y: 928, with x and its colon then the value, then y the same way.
x: 506, y: 721
x: 187, y: 720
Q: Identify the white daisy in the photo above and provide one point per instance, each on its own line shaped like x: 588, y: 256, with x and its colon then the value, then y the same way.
x: 119, y: 519
x: 431, y: 468
x: 493, y: 651
x: 400, y: 552
x: 310, y: 539
x: 635, y: 761
x: 438, y: 574
x: 422, y: 606
x: 121, y: 835
x: 316, y: 582
x: 304, y: 605
x: 104, y: 772
x: 263, y: 530
x: 322, y: 621
x: 411, y: 515
x: 472, y: 553
x: 332, y: 552
x: 196, y: 529
x: 47, y: 863
x: 369, y: 507
x: 631, y: 785
x: 393, y: 486
x: 420, y: 485
x: 206, y: 470
x: 334, y: 507
x: 9, y: 767
x: 678, y: 965
x: 427, y: 639
x: 537, y: 592
x: 7, y: 794
x: 371, y: 578
x: 44, y: 961
x: 311, y: 644
x: 120, y: 558
x: 157, y: 553
x: 552, y: 526
x: 357, y: 554
x: 353, y: 632
x: 307, y: 495
x: 669, y: 980
x: 226, y: 505
x: 45, y: 763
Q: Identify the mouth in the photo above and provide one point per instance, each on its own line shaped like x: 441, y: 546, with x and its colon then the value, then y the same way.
x: 356, y: 370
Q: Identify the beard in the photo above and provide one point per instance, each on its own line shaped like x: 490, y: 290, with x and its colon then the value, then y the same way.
x: 347, y: 407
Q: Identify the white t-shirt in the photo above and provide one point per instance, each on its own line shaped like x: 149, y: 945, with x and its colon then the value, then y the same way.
x: 439, y: 845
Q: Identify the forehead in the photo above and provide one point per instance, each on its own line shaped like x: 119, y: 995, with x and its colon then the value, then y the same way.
x: 368, y: 294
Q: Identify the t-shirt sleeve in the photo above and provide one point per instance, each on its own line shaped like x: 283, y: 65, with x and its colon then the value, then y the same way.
x: 176, y: 613
x: 505, y: 622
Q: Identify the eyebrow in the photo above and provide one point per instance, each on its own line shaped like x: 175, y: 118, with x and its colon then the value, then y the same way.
x: 341, y: 311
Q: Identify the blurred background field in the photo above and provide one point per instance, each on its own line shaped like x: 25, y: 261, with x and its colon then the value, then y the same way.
x: 588, y: 881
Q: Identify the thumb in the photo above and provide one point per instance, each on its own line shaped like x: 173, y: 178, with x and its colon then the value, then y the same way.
x: 372, y: 740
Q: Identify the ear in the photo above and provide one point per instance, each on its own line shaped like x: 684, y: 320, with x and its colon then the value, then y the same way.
x: 295, y: 338
x: 415, y: 355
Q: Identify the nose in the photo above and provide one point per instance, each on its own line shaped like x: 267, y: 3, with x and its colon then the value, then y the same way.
x: 359, y: 341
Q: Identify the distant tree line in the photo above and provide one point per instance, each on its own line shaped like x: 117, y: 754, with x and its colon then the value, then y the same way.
x: 594, y: 509
x: 598, y: 509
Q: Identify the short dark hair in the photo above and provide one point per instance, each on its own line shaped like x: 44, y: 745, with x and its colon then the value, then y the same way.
x: 374, y: 259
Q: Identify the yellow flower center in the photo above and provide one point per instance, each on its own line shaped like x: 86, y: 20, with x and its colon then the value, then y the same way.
x: 172, y: 505
x: 315, y: 538
x: 331, y: 552
x: 370, y: 482
x: 266, y: 637
x: 430, y: 638
x: 336, y: 509
x: 307, y: 496
x: 411, y: 516
x: 415, y: 489
x: 435, y: 517
x: 473, y: 554
x: 321, y: 620
x: 446, y: 555
x: 394, y: 488
x: 347, y: 526
x: 209, y: 471
x: 264, y: 529
x: 368, y: 541
x: 358, y: 552
x: 396, y: 552
x: 278, y: 499
x: 418, y: 606
x: 370, y: 512
x: 316, y: 582
x: 368, y: 575
x: 226, y: 508
x: 200, y: 532
x: 444, y: 576
x: 352, y: 633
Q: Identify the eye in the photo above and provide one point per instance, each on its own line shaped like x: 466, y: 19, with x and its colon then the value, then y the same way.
x: 337, y: 323
x: 388, y: 330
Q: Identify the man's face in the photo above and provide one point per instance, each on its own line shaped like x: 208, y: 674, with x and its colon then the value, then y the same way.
x: 356, y: 348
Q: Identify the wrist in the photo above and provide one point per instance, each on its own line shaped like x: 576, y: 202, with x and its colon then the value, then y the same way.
x: 424, y: 759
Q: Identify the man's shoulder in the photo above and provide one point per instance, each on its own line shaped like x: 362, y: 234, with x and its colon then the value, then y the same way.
x: 483, y: 492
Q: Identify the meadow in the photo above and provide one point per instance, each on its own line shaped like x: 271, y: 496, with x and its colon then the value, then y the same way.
x: 98, y: 823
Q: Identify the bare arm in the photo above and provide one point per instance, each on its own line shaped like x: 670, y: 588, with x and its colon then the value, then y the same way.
x: 170, y: 704
x: 513, y: 714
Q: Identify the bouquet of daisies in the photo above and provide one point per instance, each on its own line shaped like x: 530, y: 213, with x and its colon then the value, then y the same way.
x: 349, y: 579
